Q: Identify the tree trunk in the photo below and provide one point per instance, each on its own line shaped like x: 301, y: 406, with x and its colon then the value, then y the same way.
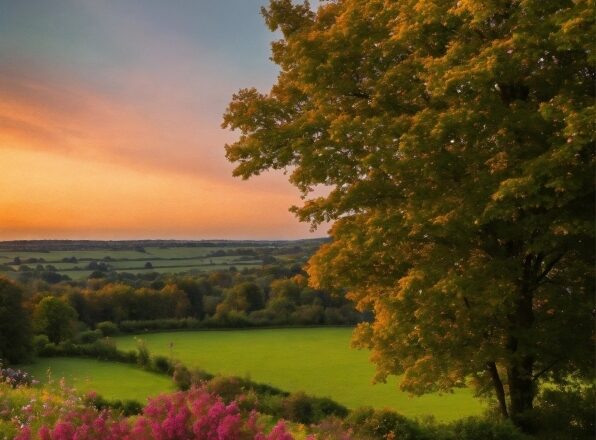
x: 521, y: 364
x: 498, y: 386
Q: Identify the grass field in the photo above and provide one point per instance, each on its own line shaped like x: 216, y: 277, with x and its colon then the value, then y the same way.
x: 317, y: 361
x: 110, y: 379
x: 176, y: 259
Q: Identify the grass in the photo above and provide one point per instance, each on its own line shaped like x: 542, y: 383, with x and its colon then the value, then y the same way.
x: 316, y: 360
x: 110, y: 379
x: 164, y: 260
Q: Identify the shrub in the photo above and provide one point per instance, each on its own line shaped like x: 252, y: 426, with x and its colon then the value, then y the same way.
x: 89, y: 336
x: 15, y: 378
x: 228, y: 387
x: 475, y: 428
x: 566, y: 413
x: 182, y: 377
x: 39, y: 342
x: 327, y: 407
x: 382, y: 424
x: 159, y: 324
x: 107, y: 328
x: 298, y: 407
x: 143, y: 356
x: 198, y: 376
x: 126, y: 407
x: 162, y: 364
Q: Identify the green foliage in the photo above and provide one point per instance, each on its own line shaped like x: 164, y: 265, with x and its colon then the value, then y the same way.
x: 126, y: 407
x: 182, y: 377
x: 162, y: 364
x: 55, y: 318
x: 15, y: 328
x: 298, y: 407
x: 245, y: 297
x: 567, y: 413
x: 457, y: 142
x: 107, y: 328
x: 159, y: 324
x: 481, y: 429
x: 143, y: 356
x: 89, y: 336
x: 384, y: 424
x: 39, y: 342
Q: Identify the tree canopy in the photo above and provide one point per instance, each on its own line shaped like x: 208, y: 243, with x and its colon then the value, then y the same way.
x: 456, y: 138
x: 55, y: 318
x: 15, y: 329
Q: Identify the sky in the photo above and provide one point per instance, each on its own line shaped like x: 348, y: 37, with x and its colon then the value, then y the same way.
x: 110, y: 121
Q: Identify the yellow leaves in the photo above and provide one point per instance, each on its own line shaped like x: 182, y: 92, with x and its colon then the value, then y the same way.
x: 444, y: 219
x: 498, y: 163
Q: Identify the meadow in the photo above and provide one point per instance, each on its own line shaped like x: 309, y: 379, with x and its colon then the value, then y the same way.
x: 317, y: 361
x: 195, y: 257
x: 113, y: 380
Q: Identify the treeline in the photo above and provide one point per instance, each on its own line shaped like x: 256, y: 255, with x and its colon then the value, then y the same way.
x: 83, y: 245
x: 274, y: 295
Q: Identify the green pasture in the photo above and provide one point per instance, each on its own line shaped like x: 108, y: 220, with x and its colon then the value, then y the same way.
x: 318, y: 361
x: 112, y: 380
x: 163, y: 260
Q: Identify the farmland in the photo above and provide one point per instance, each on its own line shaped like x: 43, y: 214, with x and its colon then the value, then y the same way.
x: 316, y: 360
x: 79, y: 260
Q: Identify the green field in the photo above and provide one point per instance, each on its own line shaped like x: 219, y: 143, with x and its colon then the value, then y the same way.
x: 110, y: 379
x: 176, y: 259
x: 316, y: 360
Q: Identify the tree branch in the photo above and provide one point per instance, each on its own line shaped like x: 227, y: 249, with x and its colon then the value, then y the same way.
x: 544, y: 370
x: 549, y: 267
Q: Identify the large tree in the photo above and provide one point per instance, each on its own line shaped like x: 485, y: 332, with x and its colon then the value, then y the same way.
x: 55, y: 318
x: 456, y: 138
x: 15, y: 327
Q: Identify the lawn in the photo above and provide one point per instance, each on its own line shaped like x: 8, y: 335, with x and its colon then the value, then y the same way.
x: 318, y: 361
x: 110, y: 379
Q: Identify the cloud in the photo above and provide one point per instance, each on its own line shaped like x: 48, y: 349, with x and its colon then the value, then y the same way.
x: 110, y: 126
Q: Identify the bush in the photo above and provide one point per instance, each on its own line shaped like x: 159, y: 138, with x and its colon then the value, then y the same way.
x: 198, y: 376
x: 101, y: 349
x: 182, y: 377
x: 143, y: 356
x: 382, y: 424
x: 159, y: 324
x: 162, y: 364
x: 474, y: 428
x: 15, y: 378
x: 326, y: 407
x: 89, y: 336
x: 298, y: 407
x: 126, y: 407
x: 227, y: 387
x: 566, y: 413
x: 39, y: 342
x: 107, y: 328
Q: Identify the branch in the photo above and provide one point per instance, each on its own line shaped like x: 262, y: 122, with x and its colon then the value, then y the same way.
x: 549, y: 267
x: 544, y: 370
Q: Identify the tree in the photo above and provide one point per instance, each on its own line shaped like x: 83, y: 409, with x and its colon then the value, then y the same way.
x: 54, y: 318
x: 244, y: 297
x: 15, y: 328
x: 456, y: 139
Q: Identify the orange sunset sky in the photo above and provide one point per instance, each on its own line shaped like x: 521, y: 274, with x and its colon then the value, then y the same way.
x: 110, y: 118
